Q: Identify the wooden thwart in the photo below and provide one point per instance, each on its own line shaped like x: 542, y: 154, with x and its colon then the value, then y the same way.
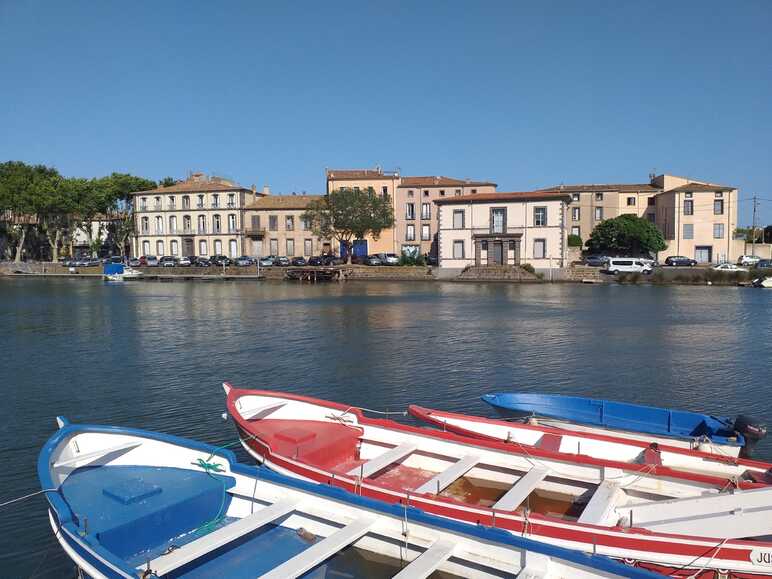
x: 428, y: 561
x: 222, y: 536
x: 89, y: 457
x: 443, y: 479
x: 383, y: 460
x: 521, y: 489
x: 600, y: 508
x: 322, y: 550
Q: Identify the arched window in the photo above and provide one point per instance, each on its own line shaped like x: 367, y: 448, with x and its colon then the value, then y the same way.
x: 173, y: 224
x: 216, y: 225
x: 159, y: 246
x: 145, y: 247
x: 186, y: 224
x: 232, y: 223
x: 218, y: 247
x: 145, y: 225
x: 202, y: 223
x: 186, y: 201
x: 233, y: 248
x: 159, y: 224
x: 174, y: 246
x: 202, y: 248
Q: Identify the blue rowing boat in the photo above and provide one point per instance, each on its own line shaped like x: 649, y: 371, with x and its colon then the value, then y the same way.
x: 741, y: 433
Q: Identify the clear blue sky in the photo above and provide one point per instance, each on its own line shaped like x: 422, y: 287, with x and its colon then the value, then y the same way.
x: 527, y: 94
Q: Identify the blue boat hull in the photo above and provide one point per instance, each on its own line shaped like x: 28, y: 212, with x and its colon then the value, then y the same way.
x: 618, y: 415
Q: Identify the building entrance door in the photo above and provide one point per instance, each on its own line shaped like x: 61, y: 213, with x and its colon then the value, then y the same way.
x: 703, y: 254
x: 187, y: 247
x: 498, y: 253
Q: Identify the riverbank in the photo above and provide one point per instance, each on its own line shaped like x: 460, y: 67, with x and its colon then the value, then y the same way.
x: 491, y: 274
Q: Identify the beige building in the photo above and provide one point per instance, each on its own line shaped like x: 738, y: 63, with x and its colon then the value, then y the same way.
x: 503, y: 229
x: 415, y: 214
x: 696, y: 218
x: 415, y: 221
x: 199, y: 216
x: 275, y: 226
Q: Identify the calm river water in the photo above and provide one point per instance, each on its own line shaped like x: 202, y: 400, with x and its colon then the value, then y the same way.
x: 153, y: 355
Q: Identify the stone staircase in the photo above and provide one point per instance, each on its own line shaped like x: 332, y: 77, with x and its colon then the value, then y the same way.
x: 496, y: 273
x: 585, y: 274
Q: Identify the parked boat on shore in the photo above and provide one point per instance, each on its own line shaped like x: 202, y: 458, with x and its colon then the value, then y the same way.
x: 674, y: 427
x: 120, y: 272
x: 130, y: 503
x: 596, y: 445
x: 649, y: 515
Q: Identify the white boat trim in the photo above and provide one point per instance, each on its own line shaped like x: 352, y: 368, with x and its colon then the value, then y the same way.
x: 381, y: 461
x: 444, y: 479
x: 428, y: 561
x: 515, y: 496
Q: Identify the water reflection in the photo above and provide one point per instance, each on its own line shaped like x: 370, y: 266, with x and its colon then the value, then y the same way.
x: 153, y: 355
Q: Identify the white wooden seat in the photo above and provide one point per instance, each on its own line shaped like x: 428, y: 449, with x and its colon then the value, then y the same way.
x: 261, y: 411
x: 89, y: 457
x: 428, y: 561
x: 222, y: 536
x: 443, y: 479
x: 600, y: 508
x: 521, y: 489
x: 381, y: 461
x: 732, y: 515
x: 321, y: 551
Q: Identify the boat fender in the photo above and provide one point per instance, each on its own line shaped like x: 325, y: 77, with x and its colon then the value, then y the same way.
x: 753, y: 431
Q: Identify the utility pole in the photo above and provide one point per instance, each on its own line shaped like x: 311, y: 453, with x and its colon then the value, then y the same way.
x: 753, y: 227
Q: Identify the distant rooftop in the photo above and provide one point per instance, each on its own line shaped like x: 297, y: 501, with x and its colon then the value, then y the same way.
x: 197, y: 182
x: 599, y: 187
x: 283, y: 202
x: 353, y: 174
x: 701, y: 187
x: 439, y: 181
x: 503, y: 196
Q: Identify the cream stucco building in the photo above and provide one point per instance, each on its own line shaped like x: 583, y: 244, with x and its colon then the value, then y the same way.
x: 199, y: 216
x: 696, y: 218
x: 503, y: 229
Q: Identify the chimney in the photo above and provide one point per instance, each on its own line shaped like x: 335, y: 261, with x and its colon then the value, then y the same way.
x: 266, y: 190
x: 254, y: 189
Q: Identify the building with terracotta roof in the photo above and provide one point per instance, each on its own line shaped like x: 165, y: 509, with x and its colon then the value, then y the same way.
x: 198, y: 216
x: 696, y: 218
x: 415, y: 221
x: 510, y: 228
x: 275, y: 226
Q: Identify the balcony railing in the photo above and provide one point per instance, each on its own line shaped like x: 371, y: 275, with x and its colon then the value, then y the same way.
x: 199, y: 205
x: 231, y: 204
x: 233, y: 230
x: 506, y: 231
x: 188, y: 230
x: 143, y: 207
x: 202, y: 230
x: 254, y: 231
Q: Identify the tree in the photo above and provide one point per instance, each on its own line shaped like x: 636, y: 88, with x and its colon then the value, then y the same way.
x: 121, y: 215
x: 626, y: 235
x: 26, y: 191
x: 165, y: 182
x: 347, y: 214
x: 748, y: 234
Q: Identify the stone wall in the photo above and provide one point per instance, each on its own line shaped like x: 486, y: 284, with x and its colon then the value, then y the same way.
x: 511, y: 273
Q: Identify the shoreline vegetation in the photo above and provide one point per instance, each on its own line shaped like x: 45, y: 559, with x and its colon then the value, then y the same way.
x: 662, y: 276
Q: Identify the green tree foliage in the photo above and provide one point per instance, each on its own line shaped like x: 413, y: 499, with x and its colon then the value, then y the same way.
x: 37, y: 199
x: 348, y: 214
x: 165, y: 182
x: 626, y: 235
x: 574, y: 241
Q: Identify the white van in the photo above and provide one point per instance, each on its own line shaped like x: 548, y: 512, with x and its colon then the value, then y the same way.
x: 617, y: 265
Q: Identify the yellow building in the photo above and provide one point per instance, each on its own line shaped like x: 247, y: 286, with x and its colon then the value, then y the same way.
x: 274, y: 225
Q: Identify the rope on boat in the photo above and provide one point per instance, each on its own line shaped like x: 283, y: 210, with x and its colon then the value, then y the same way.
x: 715, y: 550
x: 28, y: 496
x: 385, y: 413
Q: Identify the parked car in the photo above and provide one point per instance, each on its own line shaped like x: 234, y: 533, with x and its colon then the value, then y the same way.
x: 298, y: 261
x: 281, y: 261
x: 185, y: 261
x: 200, y: 262
x: 244, y: 261
x: 316, y: 260
x: 220, y: 260
x: 729, y: 267
x: 135, y: 262
x: 168, y: 261
x: 764, y: 264
x: 330, y: 259
x: 432, y: 260
x: 748, y: 260
x: 680, y: 261
x: 267, y: 261
x: 372, y: 260
x: 595, y: 260
x: 151, y: 261
x: 617, y: 265
x: 388, y: 258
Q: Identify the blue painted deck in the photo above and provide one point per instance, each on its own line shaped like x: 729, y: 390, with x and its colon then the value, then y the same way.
x: 618, y: 415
